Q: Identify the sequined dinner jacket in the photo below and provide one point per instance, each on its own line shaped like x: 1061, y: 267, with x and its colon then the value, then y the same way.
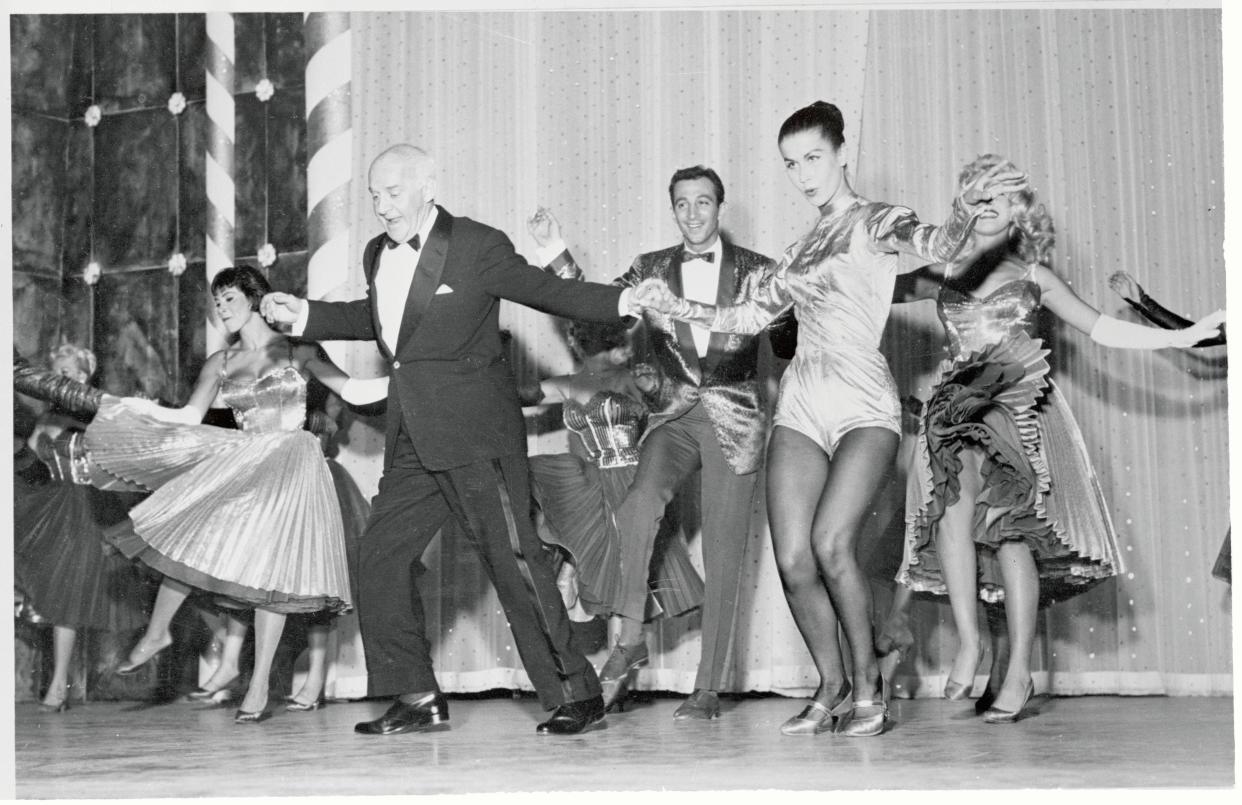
x: 726, y: 379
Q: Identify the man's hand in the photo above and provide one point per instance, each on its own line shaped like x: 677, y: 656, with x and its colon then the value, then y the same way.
x: 544, y: 227
x: 281, y: 308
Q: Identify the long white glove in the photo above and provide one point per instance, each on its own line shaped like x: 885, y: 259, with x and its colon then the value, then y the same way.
x: 1110, y: 332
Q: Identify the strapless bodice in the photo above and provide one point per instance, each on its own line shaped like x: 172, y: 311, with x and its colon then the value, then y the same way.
x: 609, y: 425
x: 276, y: 401
x: 972, y: 323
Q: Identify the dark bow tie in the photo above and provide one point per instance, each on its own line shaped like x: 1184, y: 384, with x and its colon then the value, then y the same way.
x: 687, y: 256
x: 414, y: 242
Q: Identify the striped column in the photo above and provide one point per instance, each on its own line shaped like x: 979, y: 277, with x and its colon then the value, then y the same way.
x: 221, y: 206
x: 329, y: 146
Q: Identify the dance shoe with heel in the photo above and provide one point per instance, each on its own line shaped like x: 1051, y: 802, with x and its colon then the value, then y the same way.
x: 868, y: 717
x: 293, y: 705
x: 891, y: 648
x: 55, y: 705
x: 243, y: 717
x: 957, y: 691
x: 572, y: 718
x: 817, y: 717
x: 218, y: 696
x: 994, y: 715
x: 618, y: 673
x: 703, y: 705
x: 140, y: 656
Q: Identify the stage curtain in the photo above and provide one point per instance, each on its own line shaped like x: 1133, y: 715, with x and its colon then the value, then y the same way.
x: 1117, y: 117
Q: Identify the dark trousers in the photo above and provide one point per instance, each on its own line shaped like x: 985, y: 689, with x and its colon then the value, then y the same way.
x: 669, y: 454
x: 491, y: 502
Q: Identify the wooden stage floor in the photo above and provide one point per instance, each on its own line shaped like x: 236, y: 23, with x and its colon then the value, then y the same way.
x: 130, y: 750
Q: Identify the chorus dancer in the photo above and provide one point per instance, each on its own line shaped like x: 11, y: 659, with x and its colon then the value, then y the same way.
x: 838, y: 419
x: 1003, y: 502
x: 69, y: 576
x: 249, y: 515
x: 604, y: 406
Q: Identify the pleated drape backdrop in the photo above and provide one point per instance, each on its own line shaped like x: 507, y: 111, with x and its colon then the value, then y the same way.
x: 1116, y: 115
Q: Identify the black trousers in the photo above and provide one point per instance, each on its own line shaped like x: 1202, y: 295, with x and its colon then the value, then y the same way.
x: 491, y: 502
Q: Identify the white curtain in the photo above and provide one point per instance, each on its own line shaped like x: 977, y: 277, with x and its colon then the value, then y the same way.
x: 1117, y: 116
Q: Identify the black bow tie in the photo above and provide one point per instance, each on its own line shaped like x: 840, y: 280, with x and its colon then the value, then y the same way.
x: 688, y: 255
x: 414, y: 242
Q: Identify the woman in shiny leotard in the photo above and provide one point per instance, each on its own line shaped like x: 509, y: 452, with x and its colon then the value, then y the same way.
x: 1003, y: 502
x: 837, y: 422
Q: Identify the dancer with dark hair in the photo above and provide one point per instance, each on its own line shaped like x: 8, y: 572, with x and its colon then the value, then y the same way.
x: 250, y: 514
x: 605, y: 408
x: 837, y: 421
x: 1003, y: 502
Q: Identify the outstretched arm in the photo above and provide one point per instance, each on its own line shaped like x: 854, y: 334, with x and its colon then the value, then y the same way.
x: 1110, y: 332
x: 1153, y: 311
x: 64, y: 392
x: 355, y: 391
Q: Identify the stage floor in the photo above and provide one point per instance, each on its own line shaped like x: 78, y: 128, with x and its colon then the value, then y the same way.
x: 109, y: 750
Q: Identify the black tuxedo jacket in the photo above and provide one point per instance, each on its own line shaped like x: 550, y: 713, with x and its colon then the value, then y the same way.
x: 450, y: 383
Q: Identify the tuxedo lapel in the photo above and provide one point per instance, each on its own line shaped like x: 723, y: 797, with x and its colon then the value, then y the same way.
x: 427, y: 275
x: 726, y: 291
x: 685, y: 335
x: 372, y: 268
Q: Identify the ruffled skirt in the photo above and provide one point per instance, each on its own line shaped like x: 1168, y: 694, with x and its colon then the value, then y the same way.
x: 1038, y: 485
x: 250, y: 516
x: 579, y: 503
x: 62, y: 564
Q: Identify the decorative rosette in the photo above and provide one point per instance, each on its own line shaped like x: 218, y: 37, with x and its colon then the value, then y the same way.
x: 92, y: 272
x: 267, y: 255
x: 176, y: 103
x: 176, y: 264
x: 93, y: 115
x: 264, y: 90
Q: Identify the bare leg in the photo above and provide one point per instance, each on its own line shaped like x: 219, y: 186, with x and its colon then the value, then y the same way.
x: 895, y: 637
x: 157, y: 637
x: 63, y: 638
x: 1021, y: 612
x: 317, y: 663
x: 209, y: 660
x: 797, y: 471
x: 268, y: 627
x: 1000, y: 656
x: 229, y: 667
x: 860, y: 465
x: 955, y: 545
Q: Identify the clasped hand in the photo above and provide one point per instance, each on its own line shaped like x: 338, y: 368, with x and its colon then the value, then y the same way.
x: 1205, y: 328
x: 654, y: 294
x: 280, y: 308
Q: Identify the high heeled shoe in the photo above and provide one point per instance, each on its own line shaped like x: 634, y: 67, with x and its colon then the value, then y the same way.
x: 243, y: 717
x: 131, y: 666
x: 294, y: 706
x: 618, y: 672
x: 56, y: 705
x: 817, y: 717
x: 219, y: 696
x: 957, y: 691
x: 873, y: 718
x: 994, y: 715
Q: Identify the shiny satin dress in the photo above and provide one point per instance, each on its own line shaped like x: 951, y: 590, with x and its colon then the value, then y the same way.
x: 839, y: 280
x: 1038, y: 483
x: 579, y: 492
x: 249, y: 514
x: 61, y: 562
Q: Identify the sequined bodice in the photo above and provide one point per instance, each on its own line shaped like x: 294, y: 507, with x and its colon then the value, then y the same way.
x: 972, y: 323
x: 608, y: 426
x: 274, y: 402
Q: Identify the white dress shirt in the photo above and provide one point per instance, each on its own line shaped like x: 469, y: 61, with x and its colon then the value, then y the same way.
x: 699, y: 280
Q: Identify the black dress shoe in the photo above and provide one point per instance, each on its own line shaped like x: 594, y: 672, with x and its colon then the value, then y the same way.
x: 427, y: 713
x: 573, y: 717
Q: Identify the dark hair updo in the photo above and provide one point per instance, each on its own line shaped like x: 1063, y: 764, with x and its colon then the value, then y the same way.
x: 591, y: 338
x: 820, y: 115
x: 250, y: 281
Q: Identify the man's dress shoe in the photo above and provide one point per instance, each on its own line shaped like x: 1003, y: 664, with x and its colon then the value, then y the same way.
x: 427, y: 713
x: 573, y: 717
